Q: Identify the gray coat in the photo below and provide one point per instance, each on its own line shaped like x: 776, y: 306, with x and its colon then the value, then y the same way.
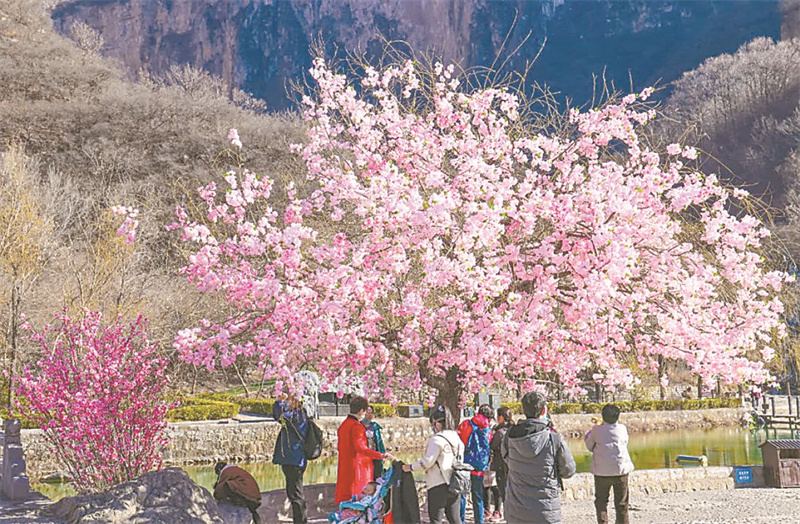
x: 537, y: 459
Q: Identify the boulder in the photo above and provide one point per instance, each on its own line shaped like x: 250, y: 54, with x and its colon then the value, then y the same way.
x: 162, y: 497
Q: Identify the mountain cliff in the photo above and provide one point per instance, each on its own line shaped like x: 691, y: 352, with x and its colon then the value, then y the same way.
x: 259, y: 45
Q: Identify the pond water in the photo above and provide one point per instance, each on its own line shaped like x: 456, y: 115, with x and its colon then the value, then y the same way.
x: 649, y: 450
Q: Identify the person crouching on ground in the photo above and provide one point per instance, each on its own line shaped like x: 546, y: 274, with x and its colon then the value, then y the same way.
x: 289, y: 452
x: 441, y: 450
x: 537, y: 459
x: 611, y: 464
x: 238, y: 487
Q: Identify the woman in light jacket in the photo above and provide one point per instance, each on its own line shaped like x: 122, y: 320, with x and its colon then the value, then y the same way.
x: 442, y: 448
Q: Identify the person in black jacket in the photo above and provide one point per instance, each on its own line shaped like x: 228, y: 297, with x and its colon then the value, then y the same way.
x: 405, y: 503
x: 498, y: 464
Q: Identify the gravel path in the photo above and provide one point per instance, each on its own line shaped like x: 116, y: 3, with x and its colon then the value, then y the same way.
x: 739, y: 506
x: 25, y: 513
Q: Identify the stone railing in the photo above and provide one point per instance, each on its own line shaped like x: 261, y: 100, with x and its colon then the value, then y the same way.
x: 655, y: 481
x: 203, y: 442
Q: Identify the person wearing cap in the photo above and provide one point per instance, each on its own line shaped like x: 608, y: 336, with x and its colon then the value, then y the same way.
x: 238, y: 487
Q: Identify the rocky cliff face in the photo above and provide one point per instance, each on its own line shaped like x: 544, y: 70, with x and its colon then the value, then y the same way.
x: 259, y: 45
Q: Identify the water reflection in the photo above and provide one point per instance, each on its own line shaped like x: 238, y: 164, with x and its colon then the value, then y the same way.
x: 650, y: 450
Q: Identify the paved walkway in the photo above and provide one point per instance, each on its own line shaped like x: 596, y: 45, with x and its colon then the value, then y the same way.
x: 24, y: 513
x: 740, y: 506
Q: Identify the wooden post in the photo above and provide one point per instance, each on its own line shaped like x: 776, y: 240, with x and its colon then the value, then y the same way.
x: 772, y: 403
x: 789, y: 400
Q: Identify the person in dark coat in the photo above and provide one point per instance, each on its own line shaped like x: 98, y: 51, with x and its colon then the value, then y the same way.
x: 537, y: 458
x: 238, y: 487
x: 405, y: 502
x: 289, y: 453
x: 498, y: 464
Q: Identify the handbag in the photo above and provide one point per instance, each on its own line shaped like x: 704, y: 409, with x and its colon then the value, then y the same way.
x: 489, y: 479
x: 460, y: 481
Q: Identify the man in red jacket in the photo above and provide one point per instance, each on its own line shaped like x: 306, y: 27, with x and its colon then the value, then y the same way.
x: 355, y: 458
x: 477, y: 453
x: 238, y: 487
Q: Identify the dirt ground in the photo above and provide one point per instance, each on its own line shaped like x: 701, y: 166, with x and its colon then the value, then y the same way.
x: 739, y: 506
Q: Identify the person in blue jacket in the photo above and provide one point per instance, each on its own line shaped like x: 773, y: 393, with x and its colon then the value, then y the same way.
x: 289, y: 452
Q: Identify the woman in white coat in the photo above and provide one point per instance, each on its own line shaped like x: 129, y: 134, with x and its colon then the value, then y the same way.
x: 437, y: 463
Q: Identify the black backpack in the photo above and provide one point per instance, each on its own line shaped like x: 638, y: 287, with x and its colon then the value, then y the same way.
x: 312, y: 445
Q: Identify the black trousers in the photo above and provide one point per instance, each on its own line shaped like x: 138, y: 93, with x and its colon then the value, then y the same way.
x: 294, y: 492
x: 502, y: 481
x: 441, y: 505
x: 602, y: 488
x: 238, y: 500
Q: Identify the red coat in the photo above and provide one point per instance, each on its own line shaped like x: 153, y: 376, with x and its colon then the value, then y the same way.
x: 355, y: 459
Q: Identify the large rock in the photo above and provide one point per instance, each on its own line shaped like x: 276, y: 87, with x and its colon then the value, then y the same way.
x: 162, y: 497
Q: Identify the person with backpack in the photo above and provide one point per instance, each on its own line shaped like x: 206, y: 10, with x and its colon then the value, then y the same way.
x: 537, y: 458
x: 442, y: 452
x: 289, y: 452
x: 476, y: 434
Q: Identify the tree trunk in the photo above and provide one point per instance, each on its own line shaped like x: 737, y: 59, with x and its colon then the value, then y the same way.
x: 699, y: 388
x: 449, y: 394
x: 661, y: 389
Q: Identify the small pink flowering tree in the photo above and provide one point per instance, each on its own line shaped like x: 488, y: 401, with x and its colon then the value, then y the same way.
x: 447, y: 244
x: 97, y: 392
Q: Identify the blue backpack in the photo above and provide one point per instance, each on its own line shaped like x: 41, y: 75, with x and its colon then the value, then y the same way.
x: 479, y: 451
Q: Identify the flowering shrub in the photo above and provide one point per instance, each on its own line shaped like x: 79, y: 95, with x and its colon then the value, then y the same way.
x: 448, y: 245
x: 97, y: 394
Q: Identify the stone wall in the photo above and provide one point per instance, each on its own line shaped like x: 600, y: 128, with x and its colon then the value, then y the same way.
x: 203, y: 442
x: 656, y: 481
x: 642, y: 421
x: 200, y: 442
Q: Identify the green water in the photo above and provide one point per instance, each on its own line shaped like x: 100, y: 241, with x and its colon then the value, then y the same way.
x: 650, y: 450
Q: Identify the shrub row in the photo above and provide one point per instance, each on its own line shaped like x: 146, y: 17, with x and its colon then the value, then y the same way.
x: 202, y: 409
x: 261, y: 406
x: 635, y: 405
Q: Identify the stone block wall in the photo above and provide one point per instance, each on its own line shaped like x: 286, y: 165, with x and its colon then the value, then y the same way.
x: 657, y: 481
x: 640, y: 421
x: 231, y: 441
x: 203, y: 442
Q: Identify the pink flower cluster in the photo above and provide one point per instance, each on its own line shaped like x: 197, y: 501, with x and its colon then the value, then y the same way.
x: 476, y: 252
x: 130, y: 224
x: 97, y: 393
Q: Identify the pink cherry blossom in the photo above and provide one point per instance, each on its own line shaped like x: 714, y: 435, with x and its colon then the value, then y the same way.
x: 446, y: 247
